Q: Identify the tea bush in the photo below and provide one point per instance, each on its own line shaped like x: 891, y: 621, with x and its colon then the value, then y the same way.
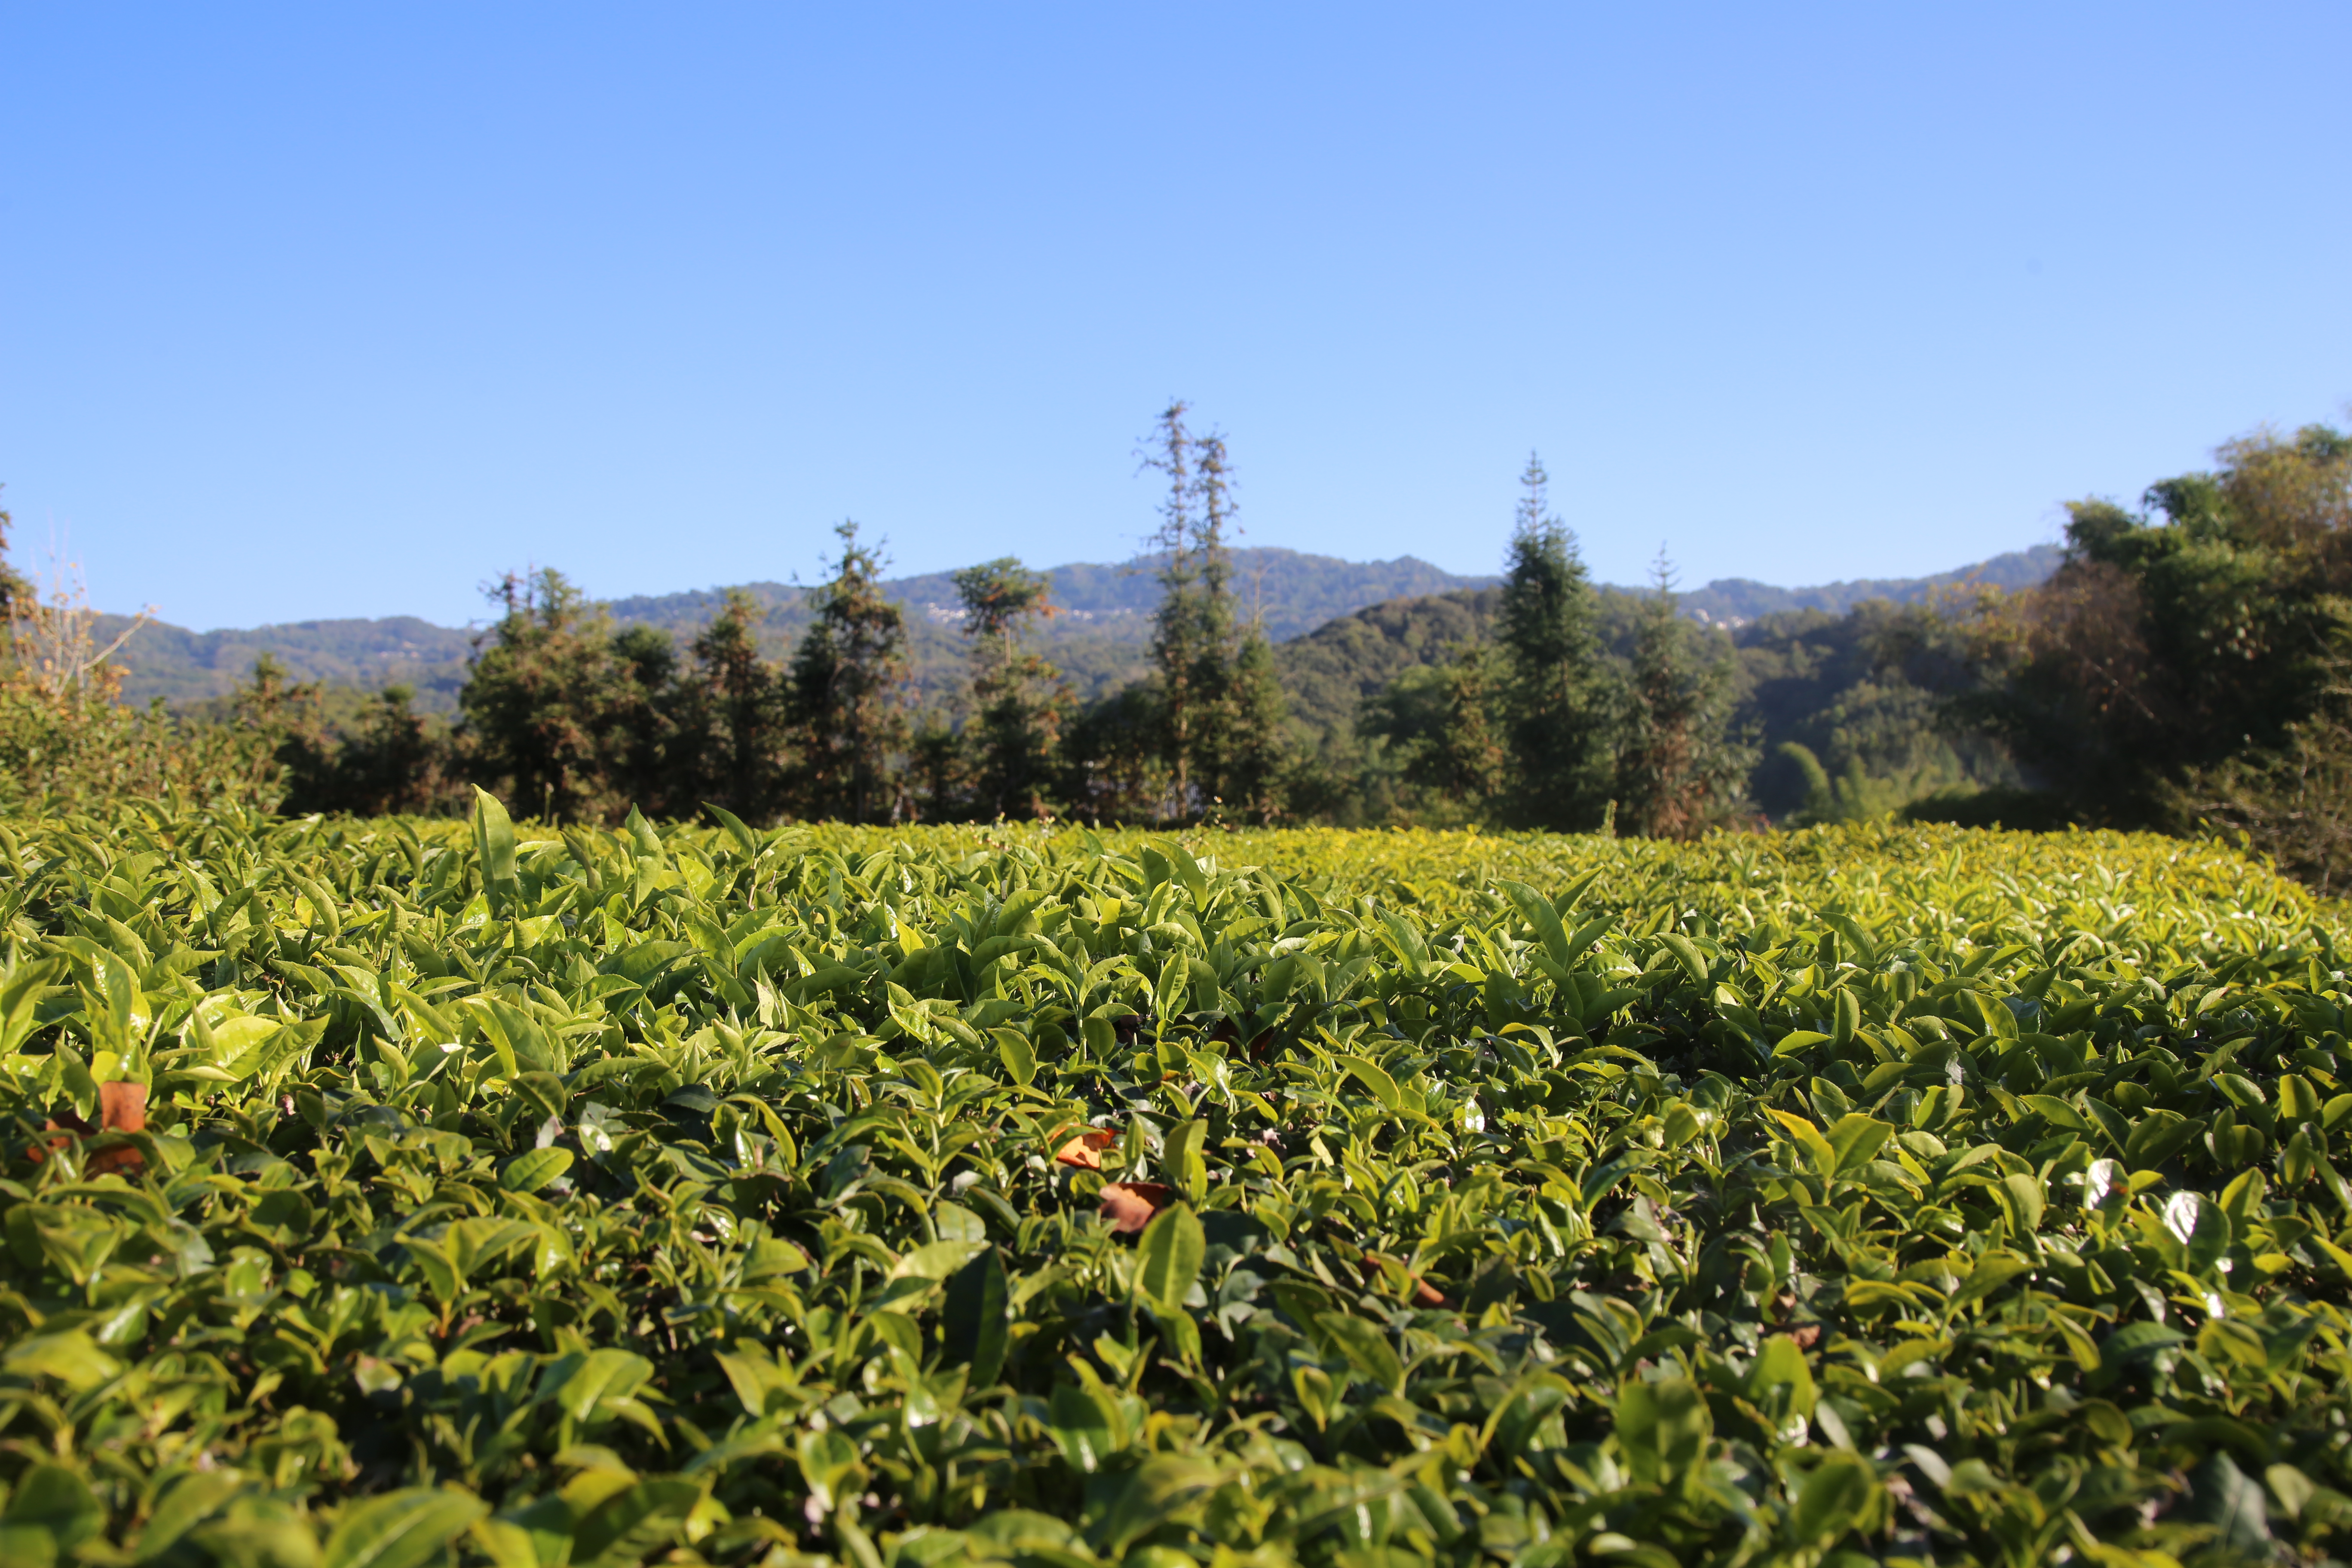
x: 389, y: 1192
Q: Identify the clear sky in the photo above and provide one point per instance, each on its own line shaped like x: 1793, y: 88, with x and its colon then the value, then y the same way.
x: 341, y: 310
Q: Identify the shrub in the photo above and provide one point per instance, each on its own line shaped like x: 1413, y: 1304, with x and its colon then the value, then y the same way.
x: 386, y: 1191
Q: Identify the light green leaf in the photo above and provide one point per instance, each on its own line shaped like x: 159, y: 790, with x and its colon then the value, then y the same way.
x: 529, y: 1172
x: 1019, y: 1057
x: 626, y: 1529
x: 494, y: 848
x: 70, y: 1357
x: 975, y: 1318
x: 1182, y: 1157
x: 1374, y: 1079
x: 1168, y: 1258
x: 405, y: 1528
x: 1539, y: 914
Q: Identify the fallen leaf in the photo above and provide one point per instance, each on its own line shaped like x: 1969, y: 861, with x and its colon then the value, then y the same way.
x: 122, y: 1106
x: 1129, y: 1206
x: 1085, y: 1150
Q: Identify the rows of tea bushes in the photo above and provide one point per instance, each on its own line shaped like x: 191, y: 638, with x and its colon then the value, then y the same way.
x: 384, y: 1193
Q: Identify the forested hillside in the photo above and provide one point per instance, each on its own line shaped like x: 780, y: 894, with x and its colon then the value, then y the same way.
x: 1097, y: 635
x: 1732, y: 601
x: 1097, y: 638
x: 1864, y: 692
x: 2186, y: 663
x: 183, y: 666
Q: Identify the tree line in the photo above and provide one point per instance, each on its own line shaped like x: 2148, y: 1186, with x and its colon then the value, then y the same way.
x: 2189, y: 667
x: 2190, y: 663
x: 574, y: 719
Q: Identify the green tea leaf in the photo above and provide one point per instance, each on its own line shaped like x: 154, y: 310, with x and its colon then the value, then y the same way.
x: 405, y: 1529
x: 494, y: 848
x: 529, y: 1172
x: 1168, y: 1258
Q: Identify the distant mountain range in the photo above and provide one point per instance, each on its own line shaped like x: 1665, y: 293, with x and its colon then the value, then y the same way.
x: 1100, y: 637
x: 1735, y: 601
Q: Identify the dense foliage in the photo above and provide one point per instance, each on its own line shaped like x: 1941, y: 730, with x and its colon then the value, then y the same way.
x: 383, y: 1192
x: 2186, y: 669
x: 65, y: 735
x: 2189, y: 658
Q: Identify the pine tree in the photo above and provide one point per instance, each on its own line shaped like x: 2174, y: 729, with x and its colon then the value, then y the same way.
x: 281, y: 719
x: 650, y: 763
x: 734, y: 733
x: 1256, y: 758
x: 1176, y: 644
x: 1020, y: 702
x: 1554, y: 720
x: 391, y: 763
x: 1222, y: 713
x: 546, y: 702
x: 846, y: 697
x: 1467, y: 762
x: 938, y: 769
x: 1680, y: 770
x: 1439, y: 722
x: 387, y: 763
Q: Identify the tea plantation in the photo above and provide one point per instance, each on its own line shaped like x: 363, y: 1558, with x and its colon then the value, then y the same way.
x: 385, y: 1194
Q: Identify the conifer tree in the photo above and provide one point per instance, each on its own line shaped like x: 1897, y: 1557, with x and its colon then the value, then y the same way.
x: 1679, y: 770
x: 1223, y: 716
x: 1467, y: 762
x: 1019, y: 700
x: 650, y: 763
x: 939, y: 770
x: 845, y: 698
x: 734, y: 728
x: 1256, y: 758
x: 1553, y: 699
x: 390, y: 762
x: 546, y: 699
x: 1179, y: 643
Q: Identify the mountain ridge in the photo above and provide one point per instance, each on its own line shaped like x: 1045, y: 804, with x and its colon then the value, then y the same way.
x: 1100, y: 638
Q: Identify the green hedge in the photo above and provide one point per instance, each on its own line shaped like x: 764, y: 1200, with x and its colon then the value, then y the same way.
x: 732, y: 1196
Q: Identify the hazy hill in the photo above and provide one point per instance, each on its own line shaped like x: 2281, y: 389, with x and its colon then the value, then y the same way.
x: 1099, y: 639
x: 1295, y: 593
x: 1731, y: 601
x: 181, y: 666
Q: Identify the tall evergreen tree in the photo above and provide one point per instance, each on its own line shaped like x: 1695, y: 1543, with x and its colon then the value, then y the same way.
x: 1440, y: 720
x: 939, y: 770
x: 1554, y: 724
x: 1194, y: 644
x: 1680, y: 770
x: 1255, y: 755
x: 652, y: 765
x: 1180, y: 647
x: 1019, y: 700
x: 1113, y: 761
x: 845, y: 694
x: 390, y: 762
x: 547, y: 702
x: 1220, y: 707
x: 733, y: 725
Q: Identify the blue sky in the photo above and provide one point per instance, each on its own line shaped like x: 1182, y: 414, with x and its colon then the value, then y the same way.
x: 340, y: 310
